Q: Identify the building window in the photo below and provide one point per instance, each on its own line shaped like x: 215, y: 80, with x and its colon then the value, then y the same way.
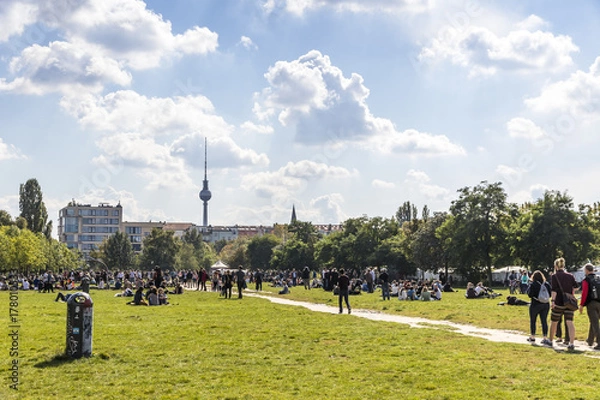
x: 133, y: 230
x: 115, y: 213
x: 71, y: 225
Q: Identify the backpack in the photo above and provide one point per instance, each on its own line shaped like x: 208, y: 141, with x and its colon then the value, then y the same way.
x: 543, y: 295
x: 594, y: 288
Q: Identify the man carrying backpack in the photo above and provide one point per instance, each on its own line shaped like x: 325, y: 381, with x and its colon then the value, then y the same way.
x: 590, y: 298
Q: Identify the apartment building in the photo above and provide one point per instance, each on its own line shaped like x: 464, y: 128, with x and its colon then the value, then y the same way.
x: 85, y: 227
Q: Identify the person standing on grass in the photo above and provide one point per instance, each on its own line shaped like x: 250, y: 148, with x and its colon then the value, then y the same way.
x: 258, y: 279
x: 562, y: 280
x: 592, y: 306
x: 524, y: 281
x: 538, y: 307
x: 227, y: 284
x: 306, y: 277
x: 343, y: 286
x: 385, y: 285
x: 240, y: 277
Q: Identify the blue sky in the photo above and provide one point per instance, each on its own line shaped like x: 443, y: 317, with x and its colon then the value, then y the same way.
x: 342, y: 108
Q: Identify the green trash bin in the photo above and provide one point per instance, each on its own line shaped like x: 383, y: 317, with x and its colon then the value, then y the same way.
x: 80, y: 315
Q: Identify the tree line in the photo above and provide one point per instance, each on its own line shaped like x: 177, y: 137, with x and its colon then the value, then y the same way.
x: 480, y: 231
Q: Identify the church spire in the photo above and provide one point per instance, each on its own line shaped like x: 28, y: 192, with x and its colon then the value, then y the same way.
x: 293, y: 214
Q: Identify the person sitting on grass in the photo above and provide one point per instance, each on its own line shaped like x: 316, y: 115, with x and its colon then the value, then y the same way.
x: 162, y: 297
x: 138, y: 298
x: 152, y: 296
x: 125, y: 293
x: 285, y: 289
x: 355, y: 286
x: 471, y: 293
x: 436, y: 293
x: 425, y: 293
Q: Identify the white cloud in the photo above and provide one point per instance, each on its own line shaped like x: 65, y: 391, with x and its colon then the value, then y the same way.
x: 10, y: 204
x: 299, y: 7
x: 380, y: 184
x: 64, y: 68
x: 327, y: 209
x: 132, y: 210
x: 14, y: 17
x: 411, y: 142
x: 128, y: 111
x: 223, y: 152
x: 313, y: 96
x: 100, y: 40
x: 154, y: 162
x: 532, y: 194
x: 126, y: 31
x: 247, y: 43
x: 532, y: 23
x: 484, y: 52
x: 9, y: 152
x: 577, y: 97
x: 292, y: 178
x: 524, y: 128
x: 419, y: 181
x: 250, y: 126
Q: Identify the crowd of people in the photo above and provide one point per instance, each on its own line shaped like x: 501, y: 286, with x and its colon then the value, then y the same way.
x: 547, y: 297
x: 551, y: 298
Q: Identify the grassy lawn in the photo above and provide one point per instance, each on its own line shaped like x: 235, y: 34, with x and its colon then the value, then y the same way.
x: 205, y: 347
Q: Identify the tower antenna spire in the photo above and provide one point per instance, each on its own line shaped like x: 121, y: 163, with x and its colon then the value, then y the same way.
x: 205, y: 194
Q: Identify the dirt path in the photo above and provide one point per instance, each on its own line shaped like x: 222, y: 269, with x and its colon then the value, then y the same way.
x: 494, y: 335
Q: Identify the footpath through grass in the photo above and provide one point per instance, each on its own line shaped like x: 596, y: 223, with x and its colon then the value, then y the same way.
x: 205, y: 347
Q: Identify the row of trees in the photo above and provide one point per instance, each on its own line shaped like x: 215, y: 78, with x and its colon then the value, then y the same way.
x: 25, y: 241
x: 479, y: 231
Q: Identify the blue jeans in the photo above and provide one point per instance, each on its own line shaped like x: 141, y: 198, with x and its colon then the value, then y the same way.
x: 385, y: 290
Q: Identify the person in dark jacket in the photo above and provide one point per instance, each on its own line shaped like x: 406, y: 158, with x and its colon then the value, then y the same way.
x: 538, y: 307
x: 592, y: 306
x: 343, y: 286
x: 562, y: 282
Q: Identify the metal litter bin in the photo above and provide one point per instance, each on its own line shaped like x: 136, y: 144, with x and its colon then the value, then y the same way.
x: 80, y: 313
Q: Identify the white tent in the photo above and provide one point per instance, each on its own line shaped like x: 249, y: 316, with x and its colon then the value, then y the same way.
x: 219, y: 266
x: 579, y: 273
x: 499, y: 274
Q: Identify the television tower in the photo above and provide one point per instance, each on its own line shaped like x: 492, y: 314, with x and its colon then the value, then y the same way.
x: 205, y: 194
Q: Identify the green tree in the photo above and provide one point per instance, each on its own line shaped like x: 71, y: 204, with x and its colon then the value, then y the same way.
x: 234, y: 253
x: 7, y: 248
x: 33, y: 209
x: 59, y: 257
x: 160, y: 249
x: 260, y: 250
x: 293, y: 254
x: 550, y: 228
x: 427, y: 247
x: 187, y: 258
x: 5, y: 218
x: 29, y: 251
x: 117, y: 251
x: 480, y: 227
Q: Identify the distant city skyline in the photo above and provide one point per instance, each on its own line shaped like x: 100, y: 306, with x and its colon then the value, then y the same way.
x: 340, y: 108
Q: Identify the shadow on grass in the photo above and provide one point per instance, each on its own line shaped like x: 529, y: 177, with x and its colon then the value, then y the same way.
x: 55, y: 361
x: 61, y: 359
